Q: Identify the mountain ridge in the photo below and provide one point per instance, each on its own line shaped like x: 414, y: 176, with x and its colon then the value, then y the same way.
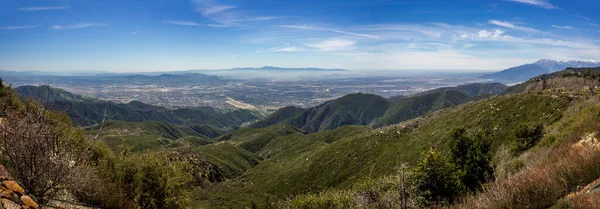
x: 523, y: 72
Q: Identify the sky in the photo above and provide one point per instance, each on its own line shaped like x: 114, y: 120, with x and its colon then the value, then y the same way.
x: 161, y: 35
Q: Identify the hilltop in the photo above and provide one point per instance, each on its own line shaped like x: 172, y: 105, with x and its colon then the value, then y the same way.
x: 49, y: 94
x: 569, y: 81
x: 473, y: 89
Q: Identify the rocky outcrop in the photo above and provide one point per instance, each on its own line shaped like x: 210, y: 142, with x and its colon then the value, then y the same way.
x: 12, y: 195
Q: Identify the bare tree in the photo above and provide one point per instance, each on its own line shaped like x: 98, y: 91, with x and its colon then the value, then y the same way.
x: 405, y: 187
x: 41, y: 149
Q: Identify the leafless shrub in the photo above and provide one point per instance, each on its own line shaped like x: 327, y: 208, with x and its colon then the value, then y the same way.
x: 585, y: 201
x: 41, y: 149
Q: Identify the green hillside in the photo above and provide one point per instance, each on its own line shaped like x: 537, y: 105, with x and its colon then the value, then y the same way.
x: 49, y: 94
x: 416, y: 106
x: 254, y: 139
x: 353, y: 109
x: 283, y: 114
x: 228, y: 160
x: 298, y: 163
x: 152, y: 135
x: 473, y: 89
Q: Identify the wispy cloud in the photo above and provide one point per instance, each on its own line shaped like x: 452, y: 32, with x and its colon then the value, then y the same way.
x: 512, y: 26
x: 182, y: 22
x: 209, y: 9
x: 226, y: 15
x: 17, y: 27
x: 286, y: 49
x: 407, y: 31
x: 77, y: 26
x: 539, y: 3
x: 281, y: 49
x: 564, y: 27
x: 306, y: 27
x: 134, y: 32
x: 466, y: 46
x: 332, y: 44
x: 31, y: 9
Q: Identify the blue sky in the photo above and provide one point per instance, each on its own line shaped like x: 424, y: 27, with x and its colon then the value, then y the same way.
x: 152, y: 35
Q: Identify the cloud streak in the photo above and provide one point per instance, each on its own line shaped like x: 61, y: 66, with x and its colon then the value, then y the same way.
x: 181, y: 22
x: 512, y: 26
x: 564, y: 27
x: 286, y: 49
x: 539, y: 3
x: 77, y: 26
x: 306, y: 27
x: 18, y: 27
x: 32, y: 9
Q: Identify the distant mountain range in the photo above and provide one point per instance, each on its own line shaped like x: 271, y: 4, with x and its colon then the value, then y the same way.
x: 524, y: 72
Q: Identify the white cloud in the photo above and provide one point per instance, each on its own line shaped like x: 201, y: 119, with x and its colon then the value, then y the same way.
x: 564, y: 27
x: 134, y: 32
x: 333, y: 44
x: 306, y: 27
x: 31, y: 9
x: 180, y: 22
x: 489, y: 35
x: 77, y: 26
x: 512, y: 26
x: 539, y: 3
x: 17, y: 27
x: 286, y: 49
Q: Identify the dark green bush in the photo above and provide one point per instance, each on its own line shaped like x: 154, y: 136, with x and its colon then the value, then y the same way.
x: 436, y: 180
x: 472, y: 157
x: 527, y: 137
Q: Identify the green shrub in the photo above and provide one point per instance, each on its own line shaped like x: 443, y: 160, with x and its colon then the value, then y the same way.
x: 472, y: 157
x: 149, y: 180
x: 436, y: 179
x: 527, y: 137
